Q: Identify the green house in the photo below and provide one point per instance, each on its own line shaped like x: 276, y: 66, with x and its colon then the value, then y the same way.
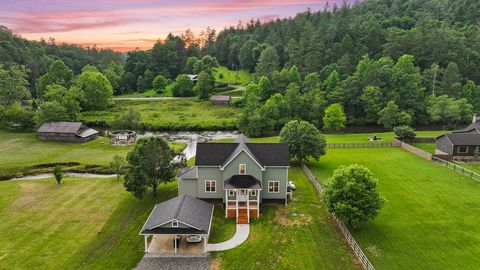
x: 241, y: 174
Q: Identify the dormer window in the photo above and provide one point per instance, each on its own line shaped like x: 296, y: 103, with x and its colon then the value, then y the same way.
x: 174, y: 224
x: 242, y: 169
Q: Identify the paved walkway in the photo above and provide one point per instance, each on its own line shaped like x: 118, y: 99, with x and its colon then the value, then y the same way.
x: 241, y: 234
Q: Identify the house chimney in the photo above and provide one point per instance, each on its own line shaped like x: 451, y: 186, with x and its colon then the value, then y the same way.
x: 476, y: 117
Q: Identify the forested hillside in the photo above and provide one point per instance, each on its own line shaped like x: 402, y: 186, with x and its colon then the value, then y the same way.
x: 421, y: 56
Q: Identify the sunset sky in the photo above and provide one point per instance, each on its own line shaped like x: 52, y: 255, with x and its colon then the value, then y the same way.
x: 126, y: 24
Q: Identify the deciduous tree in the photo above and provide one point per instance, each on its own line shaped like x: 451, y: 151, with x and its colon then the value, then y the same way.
x: 304, y: 140
x: 151, y: 163
x: 351, y: 194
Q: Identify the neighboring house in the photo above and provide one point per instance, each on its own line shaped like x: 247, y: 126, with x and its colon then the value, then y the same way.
x: 241, y: 174
x: 461, y: 144
x: 220, y: 100
x: 193, y: 78
x: 66, y: 131
x: 173, y: 220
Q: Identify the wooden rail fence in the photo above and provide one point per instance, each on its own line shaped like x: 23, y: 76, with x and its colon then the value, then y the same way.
x: 412, y: 149
x: 346, y: 233
x: 457, y: 168
x: 361, y: 145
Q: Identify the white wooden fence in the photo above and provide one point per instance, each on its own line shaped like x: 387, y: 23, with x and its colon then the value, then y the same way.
x: 346, y: 233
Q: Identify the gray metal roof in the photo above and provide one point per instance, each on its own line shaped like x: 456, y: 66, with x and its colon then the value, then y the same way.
x: 220, y: 98
x: 190, y: 211
x: 242, y: 181
x: 188, y: 173
x: 87, y: 133
x: 61, y: 127
x: 464, y: 138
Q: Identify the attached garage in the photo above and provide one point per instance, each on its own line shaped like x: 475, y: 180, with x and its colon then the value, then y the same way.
x: 179, y: 225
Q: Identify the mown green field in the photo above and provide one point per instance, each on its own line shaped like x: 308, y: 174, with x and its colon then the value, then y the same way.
x: 94, y: 224
x: 430, y: 218
x: 176, y: 114
x: 427, y: 147
x: 232, y: 76
x: 20, y: 151
x: 359, y: 137
x: 79, y: 224
x: 299, y: 236
x: 149, y: 93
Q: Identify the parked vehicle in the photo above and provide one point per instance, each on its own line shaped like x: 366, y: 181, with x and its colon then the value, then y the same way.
x: 292, y: 185
x: 194, y: 238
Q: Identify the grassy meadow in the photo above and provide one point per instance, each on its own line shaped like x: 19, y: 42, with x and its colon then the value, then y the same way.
x: 232, y: 76
x: 79, y: 224
x: 178, y: 114
x: 22, y: 152
x: 430, y: 218
x: 94, y: 224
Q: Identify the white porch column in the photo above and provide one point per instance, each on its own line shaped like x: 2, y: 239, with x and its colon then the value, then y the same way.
x: 236, y: 204
x: 226, y: 203
x: 204, y: 244
x: 175, y: 243
x: 258, y: 203
x: 146, y: 243
x: 248, y: 205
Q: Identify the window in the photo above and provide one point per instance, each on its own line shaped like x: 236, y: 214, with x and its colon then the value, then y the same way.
x: 210, y: 186
x: 463, y: 149
x: 242, y: 169
x: 231, y: 193
x: 175, y: 224
x: 253, y: 192
x: 273, y: 186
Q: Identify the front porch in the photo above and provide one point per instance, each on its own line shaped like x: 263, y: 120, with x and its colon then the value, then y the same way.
x: 242, y: 204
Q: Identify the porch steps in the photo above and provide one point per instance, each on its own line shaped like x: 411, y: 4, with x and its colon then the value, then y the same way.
x: 242, y: 217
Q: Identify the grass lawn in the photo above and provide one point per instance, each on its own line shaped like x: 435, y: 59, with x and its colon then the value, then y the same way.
x: 80, y: 224
x: 149, y: 93
x: 184, y: 114
x: 232, y: 76
x: 428, y: 147
x: 356, y: 137
x: 19, y: 151
x: 298, y: 236
x: 430, y: 218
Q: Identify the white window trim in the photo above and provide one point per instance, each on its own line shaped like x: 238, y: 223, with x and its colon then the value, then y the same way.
x: 253, y: 192
x: 273, y: 185
x: 231, y: 192
x: 462, y: 152
x: 240, y: 170
x: 214, y: 186
x: 174, y: 224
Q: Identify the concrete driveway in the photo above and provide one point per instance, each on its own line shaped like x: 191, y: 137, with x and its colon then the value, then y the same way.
x: 241, y: 235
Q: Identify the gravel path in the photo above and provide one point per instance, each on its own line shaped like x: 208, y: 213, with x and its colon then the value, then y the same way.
x: 174, y: 262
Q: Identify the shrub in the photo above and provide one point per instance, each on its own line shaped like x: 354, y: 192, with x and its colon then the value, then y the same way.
x: 58, y: 173
x: 405, y: 132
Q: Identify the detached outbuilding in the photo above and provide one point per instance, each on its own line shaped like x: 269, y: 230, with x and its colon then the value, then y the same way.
x: 220, y: 100
x: 461, y: 144
x: 66, y: 132
x: 172, y: 223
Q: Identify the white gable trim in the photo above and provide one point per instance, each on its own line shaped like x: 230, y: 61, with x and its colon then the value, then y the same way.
x: 148, y: 218
x: 179, y: 221
x: 243, y: 150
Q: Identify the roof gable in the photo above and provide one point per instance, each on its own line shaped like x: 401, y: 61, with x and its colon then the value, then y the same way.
x: 471, y: 139
x: 61, y: 127
x: 187, y: 210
